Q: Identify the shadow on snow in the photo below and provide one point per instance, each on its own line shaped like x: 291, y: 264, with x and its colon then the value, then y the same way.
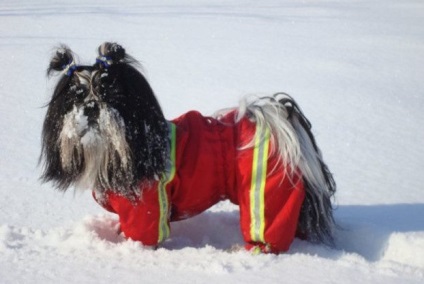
x: 364, y: 230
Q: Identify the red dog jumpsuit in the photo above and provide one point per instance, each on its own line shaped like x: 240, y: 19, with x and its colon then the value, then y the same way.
x: 209, y: 163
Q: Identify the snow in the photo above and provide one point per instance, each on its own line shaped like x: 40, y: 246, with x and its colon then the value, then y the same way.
x: 355, y: 67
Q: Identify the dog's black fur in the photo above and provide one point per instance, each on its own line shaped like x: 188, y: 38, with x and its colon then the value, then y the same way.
x: 112, y: 101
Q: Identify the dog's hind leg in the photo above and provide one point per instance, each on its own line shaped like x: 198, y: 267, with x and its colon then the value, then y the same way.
x: 270, y: 197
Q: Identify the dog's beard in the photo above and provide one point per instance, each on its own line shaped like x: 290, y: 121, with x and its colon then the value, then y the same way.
x: 96, y: 152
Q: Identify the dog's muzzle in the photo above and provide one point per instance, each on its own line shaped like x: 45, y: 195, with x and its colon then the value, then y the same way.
x: 91, y: 110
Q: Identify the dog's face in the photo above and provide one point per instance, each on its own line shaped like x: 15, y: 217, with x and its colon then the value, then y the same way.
x: 104, y: 128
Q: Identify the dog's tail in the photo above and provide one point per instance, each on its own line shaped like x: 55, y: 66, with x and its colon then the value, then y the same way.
x: 296, y: 148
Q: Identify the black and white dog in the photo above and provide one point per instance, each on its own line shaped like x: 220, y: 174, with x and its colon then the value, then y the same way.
x: 104, y: 130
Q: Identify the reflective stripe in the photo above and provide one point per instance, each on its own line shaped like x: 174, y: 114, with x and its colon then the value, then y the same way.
x: 257, y: 187
x: 167, y: 177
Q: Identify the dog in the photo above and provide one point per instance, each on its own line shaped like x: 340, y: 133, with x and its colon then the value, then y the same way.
x: 105, y: 131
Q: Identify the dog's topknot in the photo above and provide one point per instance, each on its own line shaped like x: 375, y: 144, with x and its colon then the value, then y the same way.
x: 62, y: 60
x: 111, y: 53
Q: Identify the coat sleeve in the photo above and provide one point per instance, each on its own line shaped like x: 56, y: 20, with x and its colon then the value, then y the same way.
x: 145, y: 220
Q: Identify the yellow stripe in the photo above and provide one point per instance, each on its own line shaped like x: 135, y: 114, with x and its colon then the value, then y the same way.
x: 263, y: 183
x: 167, y: 177
x: 253, y: 205
x: 258, y: 182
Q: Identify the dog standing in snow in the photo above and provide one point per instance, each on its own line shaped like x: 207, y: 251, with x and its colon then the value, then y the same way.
x: 104, y: 130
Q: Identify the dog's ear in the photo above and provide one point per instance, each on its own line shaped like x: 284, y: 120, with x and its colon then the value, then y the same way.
x: 62, y: 61
x: 131, y: 95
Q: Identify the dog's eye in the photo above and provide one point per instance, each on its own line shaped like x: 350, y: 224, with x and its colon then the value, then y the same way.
x: 81, y: 93
x: 106, y: 81
x: 78, y: 92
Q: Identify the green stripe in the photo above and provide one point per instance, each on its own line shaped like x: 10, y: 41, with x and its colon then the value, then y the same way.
x: 167, y: 177
x: 257, y: 187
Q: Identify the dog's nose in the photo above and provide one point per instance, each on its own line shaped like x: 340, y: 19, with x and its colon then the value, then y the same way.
x: 91, y: 111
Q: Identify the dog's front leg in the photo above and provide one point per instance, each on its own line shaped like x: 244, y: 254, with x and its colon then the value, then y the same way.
x: 144, y: 219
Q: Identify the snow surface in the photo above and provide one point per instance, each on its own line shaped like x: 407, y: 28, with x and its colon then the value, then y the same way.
x: 355, y: 67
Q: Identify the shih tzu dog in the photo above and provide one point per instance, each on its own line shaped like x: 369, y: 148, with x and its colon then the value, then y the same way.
x: 104, y: 130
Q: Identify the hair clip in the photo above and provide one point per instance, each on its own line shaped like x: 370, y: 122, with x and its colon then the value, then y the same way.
x: 69, y: 69
x: 106, y: 61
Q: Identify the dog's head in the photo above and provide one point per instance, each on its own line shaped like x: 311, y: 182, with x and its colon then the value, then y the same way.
x: 104, y: 128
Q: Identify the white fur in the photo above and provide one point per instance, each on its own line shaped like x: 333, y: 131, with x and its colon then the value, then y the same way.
x: 101, y: 146
x: 269, y: 114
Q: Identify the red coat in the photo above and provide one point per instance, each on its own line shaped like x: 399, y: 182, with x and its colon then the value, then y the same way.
x: 209, y: 164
